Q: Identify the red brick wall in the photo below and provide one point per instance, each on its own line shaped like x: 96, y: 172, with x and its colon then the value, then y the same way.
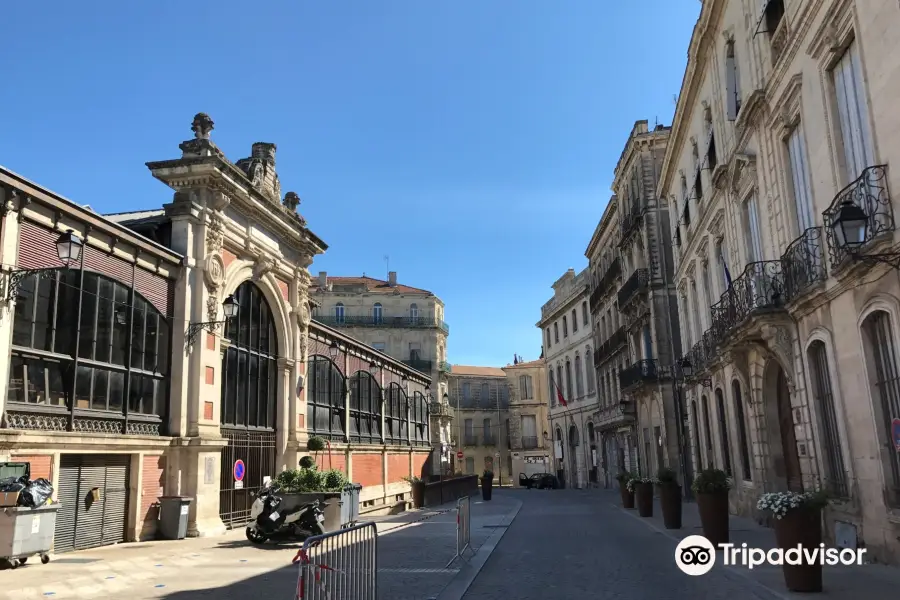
x: 367, y: 469
x: 338, y: 461
x: 41, y: 465
x: 419, y: 461
x: 152, y: 483
x: 398, y: 467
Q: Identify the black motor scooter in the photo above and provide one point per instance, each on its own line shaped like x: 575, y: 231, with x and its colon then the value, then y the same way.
x: 269, y: 522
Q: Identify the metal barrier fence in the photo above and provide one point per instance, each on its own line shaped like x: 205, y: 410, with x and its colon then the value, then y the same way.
x: 340, y: 565
x: 463, y: 527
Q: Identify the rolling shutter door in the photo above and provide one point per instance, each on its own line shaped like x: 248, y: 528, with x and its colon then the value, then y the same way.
x: 115, y: 498
x: 67, y: 494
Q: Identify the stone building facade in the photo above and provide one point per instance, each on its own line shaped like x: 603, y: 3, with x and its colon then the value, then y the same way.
x: 178, y: 342
x: 566, y: 327
x: 478, y: 399
x: 529, y: 425
x: 790, y: 332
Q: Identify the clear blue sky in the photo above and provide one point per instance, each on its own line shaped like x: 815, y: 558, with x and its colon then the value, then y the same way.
x: 471, y: 141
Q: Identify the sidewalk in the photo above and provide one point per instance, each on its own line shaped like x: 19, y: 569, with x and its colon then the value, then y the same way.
x: 839, y: 582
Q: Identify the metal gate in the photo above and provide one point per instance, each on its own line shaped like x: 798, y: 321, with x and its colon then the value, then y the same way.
x: 93, y: 497
x: 257, y: 449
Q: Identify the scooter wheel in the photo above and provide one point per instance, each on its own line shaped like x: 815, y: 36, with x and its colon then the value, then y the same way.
x: 45, y: 558
x: 13, y: 563
x: 22, y: 561
x: 255, y: 536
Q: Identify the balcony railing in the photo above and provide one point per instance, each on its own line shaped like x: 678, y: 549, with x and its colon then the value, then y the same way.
x: 630, y: 223
x: 488, y: 439
x: 610, y: 346
x: 759, y: 288
x: 470, y: 439
x: 869, y: 192
x: 529, y: 442
x: 376, y: 321
x: 642, y: 371
x: 638, y: 282
x: 803, y: 264
x: 613, y: 272
x: 418, y: 364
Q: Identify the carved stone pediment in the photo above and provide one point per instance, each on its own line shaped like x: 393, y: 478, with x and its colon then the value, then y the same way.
x: 691, y: 269
x: 743, y: 172
x: 702, y: 251
x: 717, y: 224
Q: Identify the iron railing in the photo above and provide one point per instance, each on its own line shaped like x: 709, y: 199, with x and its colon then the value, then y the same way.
x: 631, y: 221
x: 529, y: 442
x: 470, y: 439
x: 488, y: 439
x: 610, y: 346
x: 418, y: 364
x: 376, y: 321
x: 869, y: 192
x: 642, y: 371
x: 638, y: 282
x: 339, y: 565
x: 803, y: 264
x: 613, y: 272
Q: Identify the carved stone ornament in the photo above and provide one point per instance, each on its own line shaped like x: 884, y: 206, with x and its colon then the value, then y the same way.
x: 305, y: 316
x: 255, y: 175
x: 212, y: 307
x: 215, y: 234
x: 304, y: 344
x: 201, y: 126
x: 214, y: 271
x: 264, y: 265
x: 291, y: 200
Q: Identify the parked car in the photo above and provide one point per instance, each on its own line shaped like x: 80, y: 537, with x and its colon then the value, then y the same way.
x: 540, y: 481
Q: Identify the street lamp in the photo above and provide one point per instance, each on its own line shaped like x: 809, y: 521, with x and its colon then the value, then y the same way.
x: 229, y: 308
x: 374, y: 368
x: 851, y: 232
x: 68, y: 250
x: 687, y: 372
x: 333, y: 350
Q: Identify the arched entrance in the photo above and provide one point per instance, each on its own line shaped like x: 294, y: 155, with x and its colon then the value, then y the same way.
x: 248, y: 404
x: 780, y: 425
x: 573, y: 456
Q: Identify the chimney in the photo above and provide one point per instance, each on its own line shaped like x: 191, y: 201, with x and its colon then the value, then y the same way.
x: 264, y: 151
x: 392, y: 278
x: 323, y: 280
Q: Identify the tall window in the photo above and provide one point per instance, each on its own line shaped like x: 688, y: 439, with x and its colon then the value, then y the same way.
x: 377, y: 313
x: 800, y: 180
x: 469, y: 428
x: 548, y: 338
x: 742, y: 430
x: 525, y: 390
x: 488, y: 432
x: 589, y: 370
x: 467, y: 391
x: 853, y: 113
x: 325, y: 399
x: 396, y: 421
x: 579, y: 385
x: 556, y: 332
x: 753, y: 237
x: 121, y: 372
x: 836, y: 475
x: 708, y: 293
x: 695, y: 429
x: 365, y: 408
x: 574, y: 321
x: 419, y: 415
x: 584, y: 314
x: 707, y: 430
x: 697, y: 332
x: 560, y: 383
x: 529, y: 432
x: 250, y: 370
x: 686, y: 321
x: 552, y: 388
x: 732, y: 82
x: 565, y: 327
x: 413, y: 312
x: 569, y: 387
x: 339, y: 312
x: 485, y: 399
x: 723, y: 430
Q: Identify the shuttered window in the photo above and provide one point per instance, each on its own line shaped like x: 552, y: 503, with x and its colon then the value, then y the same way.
x: 836, y: 475
x: 882, y: 352
x: 853, y: 113
x: 800, y: 180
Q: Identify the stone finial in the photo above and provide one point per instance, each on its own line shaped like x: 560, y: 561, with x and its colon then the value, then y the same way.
x: 201, y: 126
x: 264, y: 151
x: 291, y: 200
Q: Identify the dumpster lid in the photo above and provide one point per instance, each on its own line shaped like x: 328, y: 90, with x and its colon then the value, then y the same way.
x: 15, y: 470
x: 181, y: 498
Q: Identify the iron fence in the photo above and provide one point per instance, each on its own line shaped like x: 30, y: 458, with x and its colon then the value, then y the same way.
x: 637, y: 282
x: 341, y: 565
x: 803, y: 263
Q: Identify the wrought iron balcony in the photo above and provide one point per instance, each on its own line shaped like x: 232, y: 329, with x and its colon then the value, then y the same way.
x: 631, y: 222
x: 529, y: 442
x: 418, y: 364
x: 760, y: 288
x: 703, y: 352
x: 612, y: 273
x: 638, y: 282
x: 803, y: 264
x: 643, y: 371
x: 376, y: 321
x: 869, y: 192
x: 610, y: 346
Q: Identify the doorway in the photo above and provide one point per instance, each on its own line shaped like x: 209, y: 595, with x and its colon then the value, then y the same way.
x: 785, y: 458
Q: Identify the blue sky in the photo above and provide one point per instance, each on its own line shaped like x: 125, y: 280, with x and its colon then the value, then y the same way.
x: 473, y: 142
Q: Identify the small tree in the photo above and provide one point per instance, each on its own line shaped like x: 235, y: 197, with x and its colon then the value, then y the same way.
x: 308, y: 462
x: 315, y: 444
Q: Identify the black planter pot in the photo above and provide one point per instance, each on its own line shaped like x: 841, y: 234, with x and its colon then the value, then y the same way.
x: 418, y: 494
x: 627, y: 497
x: 714, y: 516
x: 643, y: 496
x: 670, y: 504
x: 804, y: 528
x: 487, y: 488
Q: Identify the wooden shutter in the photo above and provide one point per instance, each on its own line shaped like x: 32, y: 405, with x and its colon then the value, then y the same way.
x: 37, y: 247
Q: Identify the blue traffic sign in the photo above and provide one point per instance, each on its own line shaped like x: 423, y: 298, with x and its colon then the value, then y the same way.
x: 239, y: 470
x: 895, y: 433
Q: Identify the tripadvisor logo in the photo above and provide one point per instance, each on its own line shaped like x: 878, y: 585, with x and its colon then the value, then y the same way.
x: 695, y: 555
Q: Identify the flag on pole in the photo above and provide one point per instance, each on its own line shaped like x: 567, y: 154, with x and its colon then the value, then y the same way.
x: 559, y: 396
x: 725, y: 268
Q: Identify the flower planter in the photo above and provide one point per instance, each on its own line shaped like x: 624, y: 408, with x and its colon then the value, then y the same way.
x: 801, y: 527
x: 418, y: 494
x: 627, y: 497
x: 487, y: 490
x: 714, y: 516
x: 670, y: 504
x: 643, y: 496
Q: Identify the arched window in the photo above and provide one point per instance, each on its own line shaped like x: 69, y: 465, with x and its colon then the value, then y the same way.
x: 396, y: 421
x: 884, y: 373
x: 413, y: 312
x: 707, y: 430
x: 559, y: 443
x: 723, y: 430
x: 569, y: 388
x: 695, y: 422
x: 121, y: 339
x: 579, y: 385
x: 377, y: 313
x: 339, y: 312
x: 589, y: 370
x: 419, y: 415
x: 325, y: 399
x: 742, y: 429
x: 819, y: 374
x: 249, y: 367
x: 365, y: 408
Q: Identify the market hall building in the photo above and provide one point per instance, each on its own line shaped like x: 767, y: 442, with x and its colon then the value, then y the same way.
x: 145, y: 353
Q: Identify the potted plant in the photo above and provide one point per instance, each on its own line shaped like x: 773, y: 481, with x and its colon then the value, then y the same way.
x: 627, y: 493
x: 711, y: 487
x: 306, y: 484
x: 798, y: 522
x: 669, y: 497
x: 418, y: 490
x: 487, y: 483
x: 643, y: 495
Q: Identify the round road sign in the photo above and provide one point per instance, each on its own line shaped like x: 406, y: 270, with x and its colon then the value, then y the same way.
x: 459, y: 455
x: 239, y: 470
x: 895, y: 433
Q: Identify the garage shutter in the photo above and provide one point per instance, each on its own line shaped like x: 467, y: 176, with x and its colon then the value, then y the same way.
x: 85, y: 523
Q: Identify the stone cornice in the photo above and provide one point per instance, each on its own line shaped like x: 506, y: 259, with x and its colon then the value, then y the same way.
x: 831, y: 36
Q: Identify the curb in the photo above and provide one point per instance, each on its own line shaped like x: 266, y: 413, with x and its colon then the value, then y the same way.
x: 460, y: 583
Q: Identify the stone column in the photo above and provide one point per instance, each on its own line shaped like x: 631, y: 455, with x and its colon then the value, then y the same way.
x: 12, y: 203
